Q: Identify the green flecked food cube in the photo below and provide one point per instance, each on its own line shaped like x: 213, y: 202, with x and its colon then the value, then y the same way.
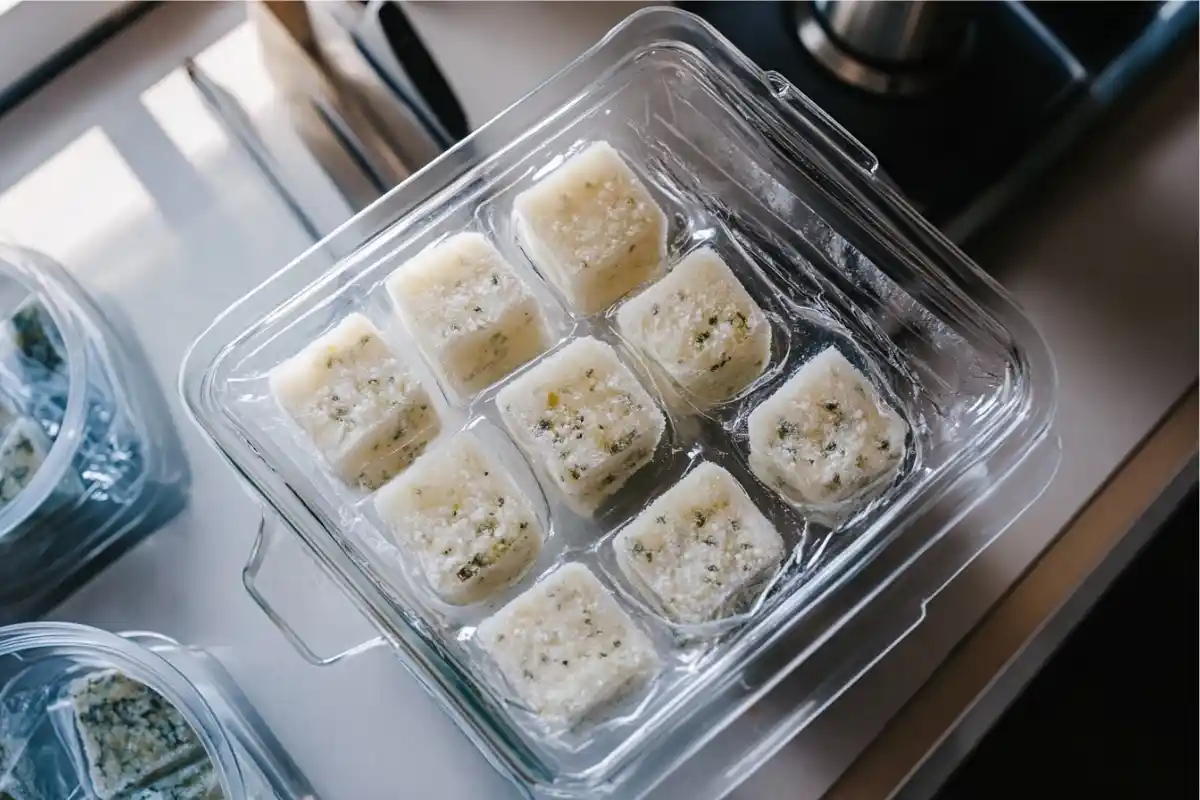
x: 23, y: 448
x: 360, y: 405
x: 129, y: 733
x: 584, y: 417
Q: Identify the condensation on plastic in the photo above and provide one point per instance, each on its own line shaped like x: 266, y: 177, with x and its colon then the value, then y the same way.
x: 114, y: 471
x: 40, y: 757
x: 741, y: 163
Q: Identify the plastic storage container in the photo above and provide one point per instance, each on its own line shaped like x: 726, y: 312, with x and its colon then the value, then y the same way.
x: 743, y: 163
x: 90, y: 458
x: 41, y: 752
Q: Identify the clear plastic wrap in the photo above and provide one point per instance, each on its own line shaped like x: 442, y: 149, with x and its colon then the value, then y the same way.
x: 91, y: 461
x: 741, y: 165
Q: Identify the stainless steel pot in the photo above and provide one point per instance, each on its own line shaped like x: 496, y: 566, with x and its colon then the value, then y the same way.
x: 886, y: 47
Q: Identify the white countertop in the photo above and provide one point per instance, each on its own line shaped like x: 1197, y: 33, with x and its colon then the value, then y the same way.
x: 117, y: 171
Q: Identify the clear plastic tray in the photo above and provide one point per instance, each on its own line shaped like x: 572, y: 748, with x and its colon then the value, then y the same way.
x: 40, y: 756
x: 741, y: 162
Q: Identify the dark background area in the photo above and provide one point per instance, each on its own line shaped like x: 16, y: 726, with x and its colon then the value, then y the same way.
x: 1113, y: 713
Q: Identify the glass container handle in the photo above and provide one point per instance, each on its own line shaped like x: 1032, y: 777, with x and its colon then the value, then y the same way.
x: 268, y: 533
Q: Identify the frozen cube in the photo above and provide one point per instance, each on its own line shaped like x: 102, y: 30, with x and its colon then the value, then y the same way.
x: 699, y: 549
x: 585, y: 418
x: 592, y: 228
x: 460, y: 513
x: 23, y: 448
x: 825, y: 434
x: 702, y: 327
x: 470, y: 313
x: 567, y: 648
x: 197, y: 781
x: 363, y: 409
x: 128, y: 731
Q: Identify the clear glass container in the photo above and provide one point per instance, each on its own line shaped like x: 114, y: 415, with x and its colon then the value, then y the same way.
x: 39, y: 753
x: 90, y: 460
x: 744, y: 163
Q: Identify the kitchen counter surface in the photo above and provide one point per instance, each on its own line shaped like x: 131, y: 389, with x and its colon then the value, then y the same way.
x: 117, y: 170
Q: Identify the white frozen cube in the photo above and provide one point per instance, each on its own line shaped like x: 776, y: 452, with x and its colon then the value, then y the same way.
x: 365, y: 411
x: 473, y: 317
x: 117, y: 717
x: 567, y: 648
x: 702, y: 327
x: 592, y: 228
x: 825, y: 434
x: 585, y: 418
x: 699, y: 549
x: 460, y: 513
x: 23, y: 448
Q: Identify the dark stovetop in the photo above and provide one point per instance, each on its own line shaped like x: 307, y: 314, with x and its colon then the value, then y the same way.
x: 1106, y: 717
x: 1032, y: 71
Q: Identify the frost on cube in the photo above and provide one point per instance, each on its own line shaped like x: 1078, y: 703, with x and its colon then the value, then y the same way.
x: 117, y: 717
x: 699, y: 550
x: 825, y: 434
x: 702, y: 327
x: 567, y: 648
x: 473, y: 317
x: 585, y: 418
x: 459, y: 512
x: 592, y: 228
x: 363, y: 409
